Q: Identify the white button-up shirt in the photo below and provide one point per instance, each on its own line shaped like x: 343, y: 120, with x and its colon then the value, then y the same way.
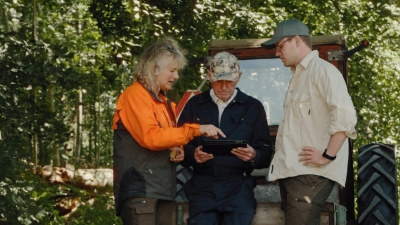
x: 317, y: 105
x: 221, y: 104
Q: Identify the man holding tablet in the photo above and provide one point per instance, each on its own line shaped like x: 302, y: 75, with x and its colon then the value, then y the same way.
x: 221, y: 189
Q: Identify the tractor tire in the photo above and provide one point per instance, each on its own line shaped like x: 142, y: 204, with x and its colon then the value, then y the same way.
x: 377, y: 185
x: 183, y: 174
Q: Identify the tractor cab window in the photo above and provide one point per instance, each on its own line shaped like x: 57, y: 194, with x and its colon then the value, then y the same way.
x: 266, y: 79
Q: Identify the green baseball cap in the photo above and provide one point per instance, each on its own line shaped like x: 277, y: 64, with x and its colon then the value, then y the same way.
x: 290, y: 27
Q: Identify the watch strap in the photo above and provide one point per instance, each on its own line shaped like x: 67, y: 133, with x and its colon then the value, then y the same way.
x: 328, y: 156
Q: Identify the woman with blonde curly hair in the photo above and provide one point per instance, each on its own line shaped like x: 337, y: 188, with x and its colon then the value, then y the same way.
x: 147, y: 142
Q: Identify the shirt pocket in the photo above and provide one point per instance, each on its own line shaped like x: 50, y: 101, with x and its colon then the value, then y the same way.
x: 301, y: 105
x: 243, y: 123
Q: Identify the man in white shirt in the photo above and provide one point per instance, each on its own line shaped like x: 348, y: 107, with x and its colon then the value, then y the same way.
x: 311, y: 150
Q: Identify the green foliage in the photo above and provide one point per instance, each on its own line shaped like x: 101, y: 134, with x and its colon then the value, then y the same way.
x: 25, y: 199
x: 88, y: 213
x: 50, y: 52
x: 63, y: 64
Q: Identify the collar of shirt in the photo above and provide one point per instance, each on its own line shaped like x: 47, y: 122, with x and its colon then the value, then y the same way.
x: 306, y: 61
x: 218, y: 101
x: 221, y: 104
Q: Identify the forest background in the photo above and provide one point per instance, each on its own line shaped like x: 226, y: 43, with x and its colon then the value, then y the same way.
x: 63, y: 64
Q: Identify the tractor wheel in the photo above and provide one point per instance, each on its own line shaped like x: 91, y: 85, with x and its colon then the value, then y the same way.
x: 183, y: 174
x: 377, y: 185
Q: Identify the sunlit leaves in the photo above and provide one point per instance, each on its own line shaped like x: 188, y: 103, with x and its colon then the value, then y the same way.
x: 51, y: 51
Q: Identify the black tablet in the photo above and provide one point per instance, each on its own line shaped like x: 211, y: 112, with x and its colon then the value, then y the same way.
x: 222, y: 147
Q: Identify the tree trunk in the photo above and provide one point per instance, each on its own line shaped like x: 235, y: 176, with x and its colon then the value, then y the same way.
x: 53, y: 146
x: 79, y: 115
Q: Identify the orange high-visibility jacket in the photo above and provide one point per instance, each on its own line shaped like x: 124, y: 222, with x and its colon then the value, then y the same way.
x: 144, y: 125
x: 148, y: 119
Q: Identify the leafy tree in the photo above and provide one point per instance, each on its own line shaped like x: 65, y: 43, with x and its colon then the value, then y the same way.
x: 63, y: 64
x: 51, y: 54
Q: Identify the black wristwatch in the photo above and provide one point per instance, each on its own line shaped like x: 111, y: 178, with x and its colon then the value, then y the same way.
x: 328, y: 156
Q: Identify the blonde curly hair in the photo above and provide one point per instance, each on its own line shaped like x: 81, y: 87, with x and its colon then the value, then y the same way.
x: 145, y: 72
